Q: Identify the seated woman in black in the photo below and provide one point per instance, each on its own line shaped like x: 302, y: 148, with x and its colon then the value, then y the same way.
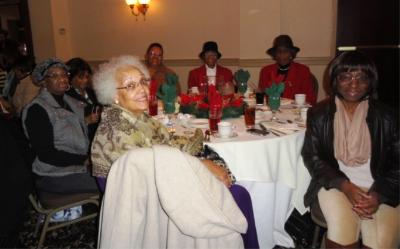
x: 351, y: 150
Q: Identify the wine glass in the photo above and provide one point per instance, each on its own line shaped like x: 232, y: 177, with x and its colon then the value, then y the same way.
x: 274, y: 103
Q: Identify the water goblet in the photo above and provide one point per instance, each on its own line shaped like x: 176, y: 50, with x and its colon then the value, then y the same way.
x: 274, y: 103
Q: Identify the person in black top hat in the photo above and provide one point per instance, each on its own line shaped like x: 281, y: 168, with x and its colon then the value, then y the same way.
x: 297, y: 77
x: 211, y: 73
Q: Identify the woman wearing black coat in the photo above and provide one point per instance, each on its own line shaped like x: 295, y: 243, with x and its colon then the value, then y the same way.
x: 351, y: 150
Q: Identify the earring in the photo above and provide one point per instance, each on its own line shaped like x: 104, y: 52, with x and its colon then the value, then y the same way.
x: 116, y: 102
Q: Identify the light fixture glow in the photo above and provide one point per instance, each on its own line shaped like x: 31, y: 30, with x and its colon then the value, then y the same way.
x: 138, y: 7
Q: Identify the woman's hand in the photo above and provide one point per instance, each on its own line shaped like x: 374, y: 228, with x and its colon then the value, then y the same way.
x: 218, y: 172
x: 352, y: 192
x: 364, y: 204
x: 368, y: 205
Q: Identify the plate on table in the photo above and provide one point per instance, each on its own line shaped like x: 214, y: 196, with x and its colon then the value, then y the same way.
x: 294, y: 106
x: 233, y: 135
x: 286, y: 101
x: 198, y: 123
x: 305, y: 105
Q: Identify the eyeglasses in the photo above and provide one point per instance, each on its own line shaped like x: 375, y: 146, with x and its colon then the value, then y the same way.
x: 152, y: 54
x: 54, y: 76
x: 133, y: 85
x: 348, y: 77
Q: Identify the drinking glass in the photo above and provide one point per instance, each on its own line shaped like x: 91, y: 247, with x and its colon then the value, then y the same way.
x: 250, y: 114
x: 260, y: 98
x: 214, y: 117
x: 169, y: 107
x: 274, y: 103
x: 153, y: 105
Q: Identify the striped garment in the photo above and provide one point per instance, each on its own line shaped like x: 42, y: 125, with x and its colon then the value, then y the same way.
x: 3, y: 75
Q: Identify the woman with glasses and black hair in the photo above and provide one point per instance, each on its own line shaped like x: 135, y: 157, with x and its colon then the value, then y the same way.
x: 80, y: 78
x: 351, y: 150
x: 56, y: 130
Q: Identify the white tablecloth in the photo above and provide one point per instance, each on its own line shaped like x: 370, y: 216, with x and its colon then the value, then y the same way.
x: 272, y: 170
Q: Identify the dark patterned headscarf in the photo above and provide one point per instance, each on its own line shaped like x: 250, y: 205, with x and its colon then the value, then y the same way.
x: 41, y: 69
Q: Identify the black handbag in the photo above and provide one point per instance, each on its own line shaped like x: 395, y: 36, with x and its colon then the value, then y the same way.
x: 300, y: 228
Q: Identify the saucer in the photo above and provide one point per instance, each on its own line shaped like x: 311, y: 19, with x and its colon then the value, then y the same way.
x: 198, y: 123
x: 233, y: 135
x: 305, y: 105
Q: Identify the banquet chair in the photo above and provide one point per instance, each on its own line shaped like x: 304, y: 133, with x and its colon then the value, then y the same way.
x: 318, y: 218
x: 48, y: 204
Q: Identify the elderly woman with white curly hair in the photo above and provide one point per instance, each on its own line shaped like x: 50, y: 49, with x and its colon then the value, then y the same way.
x: 122, y: 84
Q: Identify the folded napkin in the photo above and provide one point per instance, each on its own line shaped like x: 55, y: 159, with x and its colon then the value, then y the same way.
x: 167, y: 92
x: 284, y: 128
x: 242, y: 77
x: 275, y: 90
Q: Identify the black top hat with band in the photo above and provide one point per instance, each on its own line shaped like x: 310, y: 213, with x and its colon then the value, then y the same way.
x: 210, y: 46
x: 282, y: 41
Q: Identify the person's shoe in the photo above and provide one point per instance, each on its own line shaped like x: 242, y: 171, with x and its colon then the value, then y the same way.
x: 67, y: 214
x: 59, y: 216
x: 75, y: 212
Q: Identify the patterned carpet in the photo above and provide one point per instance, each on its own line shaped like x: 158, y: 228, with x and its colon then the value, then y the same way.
x: 80, y: 235
x: 83, y: 235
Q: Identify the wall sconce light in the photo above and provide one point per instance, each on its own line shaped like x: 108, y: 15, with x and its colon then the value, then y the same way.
x: 138, y: 7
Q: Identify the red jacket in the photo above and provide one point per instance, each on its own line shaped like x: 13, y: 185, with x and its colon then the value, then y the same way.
x: 298, y: 80
x: 198, y: 74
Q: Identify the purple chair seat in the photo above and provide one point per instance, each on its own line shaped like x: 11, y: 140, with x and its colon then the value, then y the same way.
x: 101, y: 182
x: 243, y: 200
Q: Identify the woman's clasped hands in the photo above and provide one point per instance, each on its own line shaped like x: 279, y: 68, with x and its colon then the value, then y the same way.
x: 365, y: 204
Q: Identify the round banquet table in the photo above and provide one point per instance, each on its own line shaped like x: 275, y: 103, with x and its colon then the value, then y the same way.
x: 269, y: 167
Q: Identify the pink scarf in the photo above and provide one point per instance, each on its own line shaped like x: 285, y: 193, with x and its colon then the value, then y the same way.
x: 352, y: 141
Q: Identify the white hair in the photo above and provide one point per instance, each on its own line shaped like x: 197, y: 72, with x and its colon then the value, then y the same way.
x: 104, y: 79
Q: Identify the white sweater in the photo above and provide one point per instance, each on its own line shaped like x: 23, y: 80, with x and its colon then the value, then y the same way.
x: 163, y: 198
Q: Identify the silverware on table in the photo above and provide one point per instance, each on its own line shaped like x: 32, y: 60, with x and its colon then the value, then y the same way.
x: 273, y: 131
x: 258, y: 132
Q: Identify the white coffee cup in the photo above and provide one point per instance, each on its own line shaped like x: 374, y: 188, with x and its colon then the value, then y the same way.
x: 195, y: 90
x: 303, y: 114
x: 225, y: 129
x: 300, y: 99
